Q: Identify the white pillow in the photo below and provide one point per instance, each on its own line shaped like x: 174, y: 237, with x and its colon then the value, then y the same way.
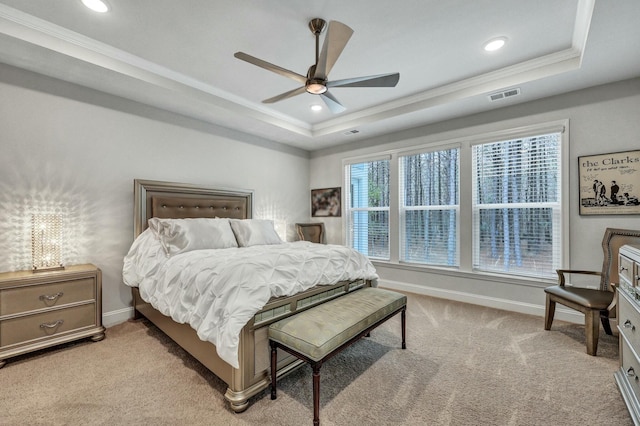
x: 182, y: 235
x: 253, y: 232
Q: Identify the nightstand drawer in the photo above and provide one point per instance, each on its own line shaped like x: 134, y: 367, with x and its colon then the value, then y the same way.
x: 46, y: 324
x: 24, y: 299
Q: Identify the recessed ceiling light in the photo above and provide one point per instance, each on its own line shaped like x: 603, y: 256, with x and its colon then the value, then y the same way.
x: 316, y: 107
x: 495, y: 44
x: 96, y: 5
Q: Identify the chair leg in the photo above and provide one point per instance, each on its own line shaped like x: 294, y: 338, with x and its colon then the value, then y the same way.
x: 604, y: 317
x: 592, y: 330
x: 549, y: 312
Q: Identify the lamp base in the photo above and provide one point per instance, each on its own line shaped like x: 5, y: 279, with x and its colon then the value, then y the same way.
x: 47, y: 268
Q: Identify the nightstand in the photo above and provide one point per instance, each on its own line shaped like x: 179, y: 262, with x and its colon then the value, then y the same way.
x: 43, y: 309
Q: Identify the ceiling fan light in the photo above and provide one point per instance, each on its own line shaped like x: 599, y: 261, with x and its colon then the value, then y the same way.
x: 315, y: 88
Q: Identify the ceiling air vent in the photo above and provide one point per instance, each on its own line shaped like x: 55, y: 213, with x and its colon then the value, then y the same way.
x: 504, y: 94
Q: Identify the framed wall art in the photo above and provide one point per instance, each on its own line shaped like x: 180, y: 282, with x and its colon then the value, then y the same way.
x: 326, y: 202
x: 610, y: 183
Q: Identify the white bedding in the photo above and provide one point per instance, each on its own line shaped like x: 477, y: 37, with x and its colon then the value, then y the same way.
x: 218, y: 291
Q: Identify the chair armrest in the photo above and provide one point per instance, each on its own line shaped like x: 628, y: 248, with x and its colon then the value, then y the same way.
x: 561, y: 272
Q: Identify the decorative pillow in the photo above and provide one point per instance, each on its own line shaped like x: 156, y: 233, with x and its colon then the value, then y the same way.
x: 182, y: 235
x: 253, y: 232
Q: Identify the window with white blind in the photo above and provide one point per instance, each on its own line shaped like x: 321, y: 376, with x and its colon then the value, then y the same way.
x: 491, y: 203
x: 517, y: 206
x: 429, y: 194
x: 368, y: 208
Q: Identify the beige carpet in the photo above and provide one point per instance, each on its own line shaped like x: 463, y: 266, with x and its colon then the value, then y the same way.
x: 464, y: 365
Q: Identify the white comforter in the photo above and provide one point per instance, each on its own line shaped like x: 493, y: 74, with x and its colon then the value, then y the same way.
x: 218, y: 291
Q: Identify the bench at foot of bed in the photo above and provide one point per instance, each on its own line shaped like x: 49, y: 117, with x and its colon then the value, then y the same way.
x: 316, y: 335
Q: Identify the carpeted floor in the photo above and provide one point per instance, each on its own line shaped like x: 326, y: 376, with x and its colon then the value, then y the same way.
x: 464, y: 365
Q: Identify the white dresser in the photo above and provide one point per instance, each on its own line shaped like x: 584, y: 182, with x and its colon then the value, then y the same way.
x: 628, y: 376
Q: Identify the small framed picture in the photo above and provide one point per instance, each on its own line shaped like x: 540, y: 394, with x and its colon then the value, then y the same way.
x: 610, y: 183
x: 326, y: 202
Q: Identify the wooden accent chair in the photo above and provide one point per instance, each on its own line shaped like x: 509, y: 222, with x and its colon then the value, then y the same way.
x: 595, y: 304
x: 313, y: 232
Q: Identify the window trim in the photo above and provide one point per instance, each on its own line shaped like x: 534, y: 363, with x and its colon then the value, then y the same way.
x: 465, y: 143
x: 402, y: 209
x: 346, y: 197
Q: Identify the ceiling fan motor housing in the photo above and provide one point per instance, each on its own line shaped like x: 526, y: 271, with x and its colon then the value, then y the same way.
x: 315, y: 86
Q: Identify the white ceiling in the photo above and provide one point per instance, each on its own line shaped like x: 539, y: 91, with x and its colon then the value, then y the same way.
x: 178, y: 56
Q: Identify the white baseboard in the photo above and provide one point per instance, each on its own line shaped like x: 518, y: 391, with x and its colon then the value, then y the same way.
x: 109, y: 319
x: 112, y: 318
x: 491, y: 302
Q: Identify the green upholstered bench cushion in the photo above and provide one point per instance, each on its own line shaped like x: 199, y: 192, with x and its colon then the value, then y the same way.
x: 320, y: 330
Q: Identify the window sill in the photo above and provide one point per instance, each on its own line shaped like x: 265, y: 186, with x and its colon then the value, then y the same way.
x: 481, y: 276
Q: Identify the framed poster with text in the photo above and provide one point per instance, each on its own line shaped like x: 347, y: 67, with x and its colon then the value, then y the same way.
x: 610, y: 183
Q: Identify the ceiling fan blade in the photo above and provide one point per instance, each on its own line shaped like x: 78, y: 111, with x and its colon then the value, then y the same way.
x: 271, y: 67
x: 338, y: 34
x: 332, y: 103
x: 381, y: 80
x: 285, y: 95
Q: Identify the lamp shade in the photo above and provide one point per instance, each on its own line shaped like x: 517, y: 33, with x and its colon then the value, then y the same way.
x: 46, y: 241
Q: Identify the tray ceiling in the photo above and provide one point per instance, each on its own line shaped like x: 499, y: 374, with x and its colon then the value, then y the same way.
x: 178, y: 56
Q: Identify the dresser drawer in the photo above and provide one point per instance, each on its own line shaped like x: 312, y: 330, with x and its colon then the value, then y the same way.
x: 46, y: 324
x: 630, y: 368
x: 628, y: 320
x: 24, y: 299
x: 626, y: 269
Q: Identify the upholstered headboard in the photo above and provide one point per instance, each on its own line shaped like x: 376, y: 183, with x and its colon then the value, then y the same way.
x: 180, y: 200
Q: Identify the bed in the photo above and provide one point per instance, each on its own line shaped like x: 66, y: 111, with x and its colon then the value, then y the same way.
x: 165, y: 200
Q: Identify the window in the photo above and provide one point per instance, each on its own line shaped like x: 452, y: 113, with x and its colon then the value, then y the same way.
x: 516, y: 206
x: 429, y: 183
x: 489, y: 203
x: 368, y: 208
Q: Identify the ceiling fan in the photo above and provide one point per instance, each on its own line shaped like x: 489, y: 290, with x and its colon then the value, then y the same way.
x: 316, y: 81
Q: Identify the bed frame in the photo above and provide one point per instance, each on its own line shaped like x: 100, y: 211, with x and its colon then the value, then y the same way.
x: 177, y: 200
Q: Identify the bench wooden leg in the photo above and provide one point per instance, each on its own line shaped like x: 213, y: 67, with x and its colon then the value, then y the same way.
x: 316, y: 393
x: 404, y: 328
x: 274, y: 367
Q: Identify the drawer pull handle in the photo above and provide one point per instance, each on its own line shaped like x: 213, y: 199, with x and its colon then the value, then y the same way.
x: 51, y: 324
x: 622, y: 269
x: 627, y: 324
x: 631, y: 372
x: 51, y: 297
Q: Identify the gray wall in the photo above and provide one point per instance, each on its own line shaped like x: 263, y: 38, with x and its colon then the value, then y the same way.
x: 71, y: 149
x: 78, y: 151
x: 601, y: 119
